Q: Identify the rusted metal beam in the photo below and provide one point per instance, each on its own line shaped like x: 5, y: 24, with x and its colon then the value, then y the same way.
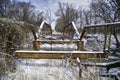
x: 59, y: 54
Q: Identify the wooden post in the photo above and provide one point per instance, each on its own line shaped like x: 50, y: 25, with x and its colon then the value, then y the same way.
x: 107, y: 41
x: 82, y: 35
x: 36, y: 45
x: 80, y: 71
x: 80, y: 45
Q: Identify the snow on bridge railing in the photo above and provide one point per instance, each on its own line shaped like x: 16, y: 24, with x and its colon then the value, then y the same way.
x: 103, y: 25
x: 113, y: 28
x: 59, y: 54
x: 107, y: 29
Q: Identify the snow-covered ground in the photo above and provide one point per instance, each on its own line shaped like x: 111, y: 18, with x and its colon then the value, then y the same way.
x: 52, y: 69
x: 55, y: 69
x: 44, y: 69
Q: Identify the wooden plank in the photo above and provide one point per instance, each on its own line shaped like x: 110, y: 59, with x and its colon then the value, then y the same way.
x: 59, y: 54
x: 58, y: 41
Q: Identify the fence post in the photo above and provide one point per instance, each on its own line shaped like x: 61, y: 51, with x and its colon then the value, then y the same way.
x: 36, y: 45
x: 80, y: 45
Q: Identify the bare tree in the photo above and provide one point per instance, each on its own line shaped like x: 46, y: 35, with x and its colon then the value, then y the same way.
x: 115, y: 4
x: 23, y: 11
x: 66, y: 13
x: 49, y: 16
x: 4, y: 8
x: 104, y: 10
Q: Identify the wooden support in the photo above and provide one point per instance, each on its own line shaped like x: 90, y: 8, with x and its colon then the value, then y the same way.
x: 59, y: 54
x: 82, y: 35
x: 36, y: 45
x: 107, y: 41
x: 58, y: 41
x: 80, y: 45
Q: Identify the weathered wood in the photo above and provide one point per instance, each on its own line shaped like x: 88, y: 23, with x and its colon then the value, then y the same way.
x: 80, y: 45
x: 59, y: 54
x: 82, y: 35
x: 36, y: 45
x: 107, y: 41
x: 58, y: 41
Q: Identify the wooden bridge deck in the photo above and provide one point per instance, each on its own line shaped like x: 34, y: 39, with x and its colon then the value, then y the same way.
x: 58, y: 54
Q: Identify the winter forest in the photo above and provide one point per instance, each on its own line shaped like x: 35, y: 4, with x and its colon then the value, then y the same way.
x: 71, y: 42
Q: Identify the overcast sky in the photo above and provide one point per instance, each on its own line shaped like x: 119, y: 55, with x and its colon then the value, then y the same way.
x: 52, y: 5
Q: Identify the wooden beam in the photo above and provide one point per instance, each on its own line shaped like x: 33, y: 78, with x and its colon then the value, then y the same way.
x: 115, y: 24
x: 36, y: 45
x: 82, y: 35
x: 114, y: 28
x: 80, y: 45
x: 107, y: 41
x: 58, y: 41
x: 58, y: 54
